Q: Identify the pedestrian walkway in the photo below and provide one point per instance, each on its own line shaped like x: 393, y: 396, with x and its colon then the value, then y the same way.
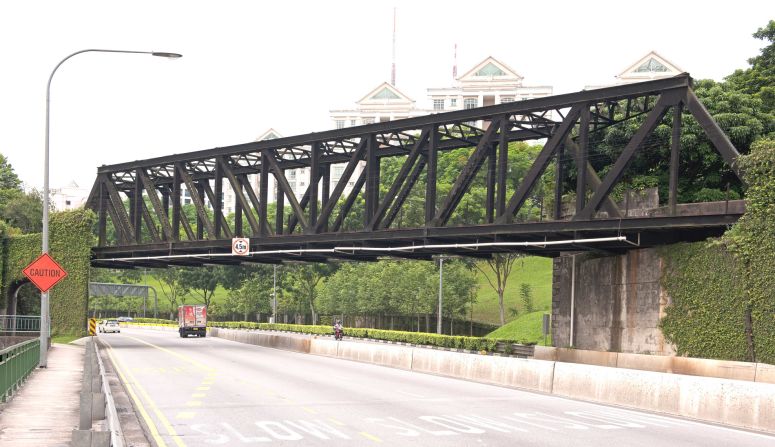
x: 45, y: 411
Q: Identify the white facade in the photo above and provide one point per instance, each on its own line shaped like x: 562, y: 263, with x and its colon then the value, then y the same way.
x: 68, y: 197
x: 488, y: 83
x: 384, y: 103
x: 649, y: 67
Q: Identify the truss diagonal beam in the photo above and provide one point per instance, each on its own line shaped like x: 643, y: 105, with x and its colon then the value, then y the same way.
x: 538, y: 167
x: 666, y: 100
x: 196, y: 199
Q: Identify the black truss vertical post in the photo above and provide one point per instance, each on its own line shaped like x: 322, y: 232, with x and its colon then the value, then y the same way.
x: 430, y: 185
x: 165, y: 204
x: 675, y: 149
x: 103, y: 224
x: 280, y: 211
x: 176, y: 204
x: 263, y: 196
x: 372, y: 178
x: 559, y: 172
x: 218, y: 201
x: 503, y: 163
x: 491, y: 175
x: 200, y: 222
x: 238, y: 219
x: 137, y: 207
x: 582, y: 155
x: 314, y: 180
x: 326, y: 192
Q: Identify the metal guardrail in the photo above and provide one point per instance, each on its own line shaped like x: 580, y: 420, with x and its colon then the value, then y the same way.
x: 19, y: 324
x: 515, y: 349
x: 16, y: 363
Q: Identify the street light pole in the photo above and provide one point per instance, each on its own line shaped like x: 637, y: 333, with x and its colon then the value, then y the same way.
x: 441, y: 284
x: 274, y: 295
x: 44, y: 304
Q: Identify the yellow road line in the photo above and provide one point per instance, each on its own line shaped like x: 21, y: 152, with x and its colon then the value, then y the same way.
x: 309, y: 410
x: 185, y: 415
x: 369, y: 436
x: 164, y: 421
x: 138, y: 403
x: 337, y: 422
x: 198, y: 395
x: 202, y: 388
x: 183, y: 357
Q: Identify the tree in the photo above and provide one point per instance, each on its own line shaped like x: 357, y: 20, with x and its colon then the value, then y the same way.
x: 759, y: 78
x: 202, y: 282
x: 172, y: 285
x: 253, y: 294
x: 526, y: 293
x: 500, y: 268
x: 302, y: 285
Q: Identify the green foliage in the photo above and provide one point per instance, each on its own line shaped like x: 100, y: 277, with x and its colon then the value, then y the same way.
x: 70, y: 245
x: 752, y: 241
x: 526, y: 293
x: 527, y: 328
x: 707, y: 314
x: 759, y: 78
x: 416, y: 338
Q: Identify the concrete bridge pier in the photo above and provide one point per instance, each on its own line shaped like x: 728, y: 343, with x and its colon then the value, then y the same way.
x: 609, y: 302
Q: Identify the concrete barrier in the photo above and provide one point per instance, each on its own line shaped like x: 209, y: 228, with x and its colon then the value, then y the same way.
x: 512, y: 372
x: 737, y: 403
x: 324, y: 347
x: 765, y: 373
x: 731, y: 401
x: 269, y: 340
x: 395, y: 356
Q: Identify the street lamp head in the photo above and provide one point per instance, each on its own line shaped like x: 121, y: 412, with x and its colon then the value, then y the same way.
x: 167, y: 55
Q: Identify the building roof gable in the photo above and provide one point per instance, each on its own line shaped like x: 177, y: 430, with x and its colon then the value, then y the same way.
x: 490, y: 68
x: 270, y: 134
x: 385, y: 92
x: 649, y: 66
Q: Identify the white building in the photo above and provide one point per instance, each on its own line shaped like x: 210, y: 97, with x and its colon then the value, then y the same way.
x: 488, y: 83
x: 649, y: 67
x: 383, y: 103
x: 68, y: 197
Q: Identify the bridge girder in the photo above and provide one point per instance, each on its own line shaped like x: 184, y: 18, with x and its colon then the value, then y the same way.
x: 142, y: 200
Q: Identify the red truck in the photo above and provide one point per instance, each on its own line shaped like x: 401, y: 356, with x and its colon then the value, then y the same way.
x: 192, y: 320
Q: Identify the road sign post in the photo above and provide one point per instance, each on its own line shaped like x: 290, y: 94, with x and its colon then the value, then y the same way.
x: 44, y: 272
x: 240, y: 246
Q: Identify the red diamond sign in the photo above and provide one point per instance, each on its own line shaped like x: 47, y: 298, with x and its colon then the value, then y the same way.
x: 44, y: 272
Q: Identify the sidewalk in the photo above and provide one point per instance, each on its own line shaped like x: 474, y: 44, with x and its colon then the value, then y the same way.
x: 45, y: 410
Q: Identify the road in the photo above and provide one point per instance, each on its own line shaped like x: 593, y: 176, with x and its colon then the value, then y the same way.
x: 209, y: 392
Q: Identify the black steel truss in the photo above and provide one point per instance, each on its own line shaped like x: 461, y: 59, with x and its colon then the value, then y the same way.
x: 142, y: 200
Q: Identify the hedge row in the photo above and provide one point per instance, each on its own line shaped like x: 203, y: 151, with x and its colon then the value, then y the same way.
x: 417, y: 338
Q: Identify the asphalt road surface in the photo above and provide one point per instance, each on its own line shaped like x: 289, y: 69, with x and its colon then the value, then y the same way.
x: 210, y: 392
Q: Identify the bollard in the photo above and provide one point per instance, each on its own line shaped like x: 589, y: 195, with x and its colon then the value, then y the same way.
x: 85, y: 420
x: 98, y: 406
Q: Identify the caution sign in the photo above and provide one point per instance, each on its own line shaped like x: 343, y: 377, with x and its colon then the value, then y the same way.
x: 240, y: 246
x: 92, y: 326
x: 44, y: 272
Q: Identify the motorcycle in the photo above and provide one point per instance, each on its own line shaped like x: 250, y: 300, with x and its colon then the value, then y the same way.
x: 338, y: 333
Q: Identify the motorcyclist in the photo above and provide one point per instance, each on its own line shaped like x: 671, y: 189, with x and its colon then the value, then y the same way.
x: 338, y: 330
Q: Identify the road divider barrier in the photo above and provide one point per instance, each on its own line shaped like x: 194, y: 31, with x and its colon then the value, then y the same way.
x: 738, y: 403
x: 98, y: 424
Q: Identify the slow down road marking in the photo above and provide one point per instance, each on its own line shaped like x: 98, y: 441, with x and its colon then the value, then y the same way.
x: 118, y: 364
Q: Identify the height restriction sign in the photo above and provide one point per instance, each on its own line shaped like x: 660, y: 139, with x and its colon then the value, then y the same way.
x: 44, y: 272
x: 240, y: 246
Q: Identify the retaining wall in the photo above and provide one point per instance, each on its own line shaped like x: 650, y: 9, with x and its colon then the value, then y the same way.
x: 739, y: 403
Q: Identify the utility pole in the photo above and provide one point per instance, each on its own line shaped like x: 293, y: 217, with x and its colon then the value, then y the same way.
x: 441, y: 285
x: 274, y: 295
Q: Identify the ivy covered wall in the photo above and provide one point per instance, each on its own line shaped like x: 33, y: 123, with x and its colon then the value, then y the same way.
x: 70, y: 242
x: 723, y: 291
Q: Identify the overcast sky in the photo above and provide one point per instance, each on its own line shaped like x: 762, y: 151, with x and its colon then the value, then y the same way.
x: 252, y: 65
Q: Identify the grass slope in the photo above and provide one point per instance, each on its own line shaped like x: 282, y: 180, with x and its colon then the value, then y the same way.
x: 535, y: 271
x: 527, y: 327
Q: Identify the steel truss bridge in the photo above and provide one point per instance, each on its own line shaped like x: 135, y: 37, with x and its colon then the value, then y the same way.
x: 142, y: 221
